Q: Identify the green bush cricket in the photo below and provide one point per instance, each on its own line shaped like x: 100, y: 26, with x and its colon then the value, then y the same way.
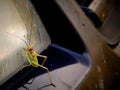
x: 31, y: 57
x: 30, y: 54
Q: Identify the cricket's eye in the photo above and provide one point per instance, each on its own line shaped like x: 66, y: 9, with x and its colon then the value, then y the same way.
x: 30, y: 49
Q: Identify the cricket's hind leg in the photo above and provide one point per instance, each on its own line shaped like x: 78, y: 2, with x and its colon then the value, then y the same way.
x: 48, y: 74
x: 45, y: 58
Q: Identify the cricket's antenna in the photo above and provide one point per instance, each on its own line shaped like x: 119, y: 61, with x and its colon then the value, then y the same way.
x: 31, y: 26
x: 18, y: 37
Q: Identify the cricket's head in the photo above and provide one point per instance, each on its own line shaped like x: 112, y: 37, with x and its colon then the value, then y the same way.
x: 28, y: 48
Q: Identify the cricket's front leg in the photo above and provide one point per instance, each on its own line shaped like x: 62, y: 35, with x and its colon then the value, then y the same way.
x: 33, y: 44
x: 25, y: 66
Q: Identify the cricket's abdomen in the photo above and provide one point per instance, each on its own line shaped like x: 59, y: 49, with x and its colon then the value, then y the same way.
x: 34, y: 64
